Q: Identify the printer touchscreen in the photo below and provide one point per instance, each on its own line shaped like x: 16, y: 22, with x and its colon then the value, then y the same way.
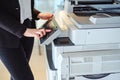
x: 49, y: 37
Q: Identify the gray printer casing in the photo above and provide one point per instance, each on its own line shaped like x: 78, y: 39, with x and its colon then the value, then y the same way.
x: 95, y: 49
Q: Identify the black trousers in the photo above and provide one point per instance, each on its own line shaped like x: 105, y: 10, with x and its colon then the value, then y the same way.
x: 16, y: 60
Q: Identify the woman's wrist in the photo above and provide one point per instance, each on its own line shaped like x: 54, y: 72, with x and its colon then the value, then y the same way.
x: 39, y: 15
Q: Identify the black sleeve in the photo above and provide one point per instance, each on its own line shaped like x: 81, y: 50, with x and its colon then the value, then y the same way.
x: 11, y: 24
x: 35, y: 14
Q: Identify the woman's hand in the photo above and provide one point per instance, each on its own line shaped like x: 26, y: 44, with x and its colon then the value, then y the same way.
x: 45, y: 16
x: 37, y: 33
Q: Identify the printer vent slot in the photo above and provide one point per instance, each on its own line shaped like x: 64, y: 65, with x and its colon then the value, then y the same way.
x: 111, y: 58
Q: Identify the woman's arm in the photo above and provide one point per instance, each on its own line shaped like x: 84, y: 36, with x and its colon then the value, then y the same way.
x: 40, y: 15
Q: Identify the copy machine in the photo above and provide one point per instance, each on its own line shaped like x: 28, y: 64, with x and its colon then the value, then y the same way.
x: 88, y: 47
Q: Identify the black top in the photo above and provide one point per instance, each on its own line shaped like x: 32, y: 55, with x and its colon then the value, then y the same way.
x: 11, y: 30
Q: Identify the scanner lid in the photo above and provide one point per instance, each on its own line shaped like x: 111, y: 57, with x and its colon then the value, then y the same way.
x: 93, y: 1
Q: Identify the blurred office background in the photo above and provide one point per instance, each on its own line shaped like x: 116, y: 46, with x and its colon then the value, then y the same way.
x: 48, y: 5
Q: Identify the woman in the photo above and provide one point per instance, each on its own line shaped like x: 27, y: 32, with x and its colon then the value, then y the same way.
x: 17, y: 33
